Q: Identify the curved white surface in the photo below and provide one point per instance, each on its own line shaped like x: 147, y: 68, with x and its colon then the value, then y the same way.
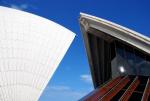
x: 31, y: 47
x: 125, y: 34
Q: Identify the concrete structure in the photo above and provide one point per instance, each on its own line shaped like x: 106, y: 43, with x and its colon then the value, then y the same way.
x: 31, y: 48
x: 119, y: 60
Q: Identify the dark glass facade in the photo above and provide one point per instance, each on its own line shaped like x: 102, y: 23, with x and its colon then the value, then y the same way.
x: 119, y: 60
x: 110, y: 59
x: 129, y: 61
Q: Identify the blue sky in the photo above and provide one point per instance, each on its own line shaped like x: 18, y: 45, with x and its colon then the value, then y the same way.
x: 72, y: 80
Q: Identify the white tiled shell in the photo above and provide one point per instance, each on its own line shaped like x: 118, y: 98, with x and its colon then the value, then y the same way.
x: 31, y: 47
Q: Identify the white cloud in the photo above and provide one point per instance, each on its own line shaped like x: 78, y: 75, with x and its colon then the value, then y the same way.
x: 86, y: 78
x: 20, y: 7
x: 59, y: 88
x: 62, y: 93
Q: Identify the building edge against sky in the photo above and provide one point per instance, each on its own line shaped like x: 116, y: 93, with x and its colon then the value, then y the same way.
x: 109, y: 32
x: 31, y: 48
x: 116, y: 56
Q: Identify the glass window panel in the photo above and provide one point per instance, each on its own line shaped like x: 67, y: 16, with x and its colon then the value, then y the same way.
x: 129, y: 61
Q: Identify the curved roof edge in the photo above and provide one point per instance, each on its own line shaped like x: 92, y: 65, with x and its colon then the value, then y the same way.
x: 134, y: 38
x: 4, y: 8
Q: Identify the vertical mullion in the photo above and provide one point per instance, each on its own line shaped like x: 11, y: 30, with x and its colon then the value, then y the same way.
x: 115, y: 90
x: 146, y: 91
x: 130, y: 90
x: 96, y: 94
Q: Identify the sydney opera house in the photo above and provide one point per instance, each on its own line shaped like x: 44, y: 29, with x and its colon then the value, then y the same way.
x: 31, y: 47
x: 119, y: 60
